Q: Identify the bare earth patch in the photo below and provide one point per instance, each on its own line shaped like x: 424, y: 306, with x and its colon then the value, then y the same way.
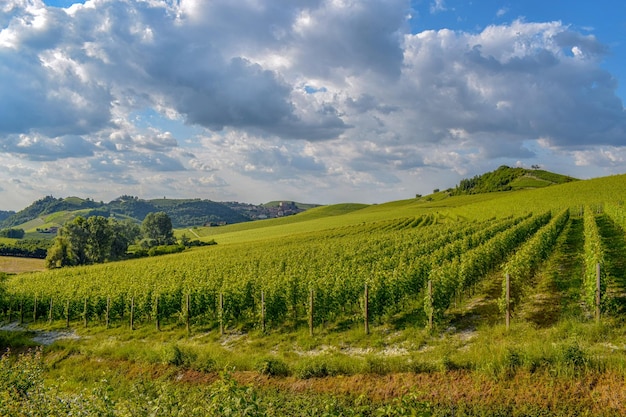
x: 43, y: 337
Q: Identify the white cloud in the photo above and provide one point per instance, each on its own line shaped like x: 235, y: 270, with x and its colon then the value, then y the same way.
x: 438, y: 6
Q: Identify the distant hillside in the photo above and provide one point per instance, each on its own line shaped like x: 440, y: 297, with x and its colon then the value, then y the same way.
x: 45, y: 206
x: 5, y: 214
x: 506, y: 179
x: 50, y: 211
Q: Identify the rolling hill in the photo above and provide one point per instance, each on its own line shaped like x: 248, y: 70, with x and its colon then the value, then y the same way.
x: 506, y: 179
x: 54, y: 212
x: 345, y: 299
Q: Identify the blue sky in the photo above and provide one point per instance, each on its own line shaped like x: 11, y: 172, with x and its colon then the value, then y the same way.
x: 321, y: 101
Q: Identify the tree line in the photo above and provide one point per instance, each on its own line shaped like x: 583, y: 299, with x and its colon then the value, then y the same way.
x: 96, y: 239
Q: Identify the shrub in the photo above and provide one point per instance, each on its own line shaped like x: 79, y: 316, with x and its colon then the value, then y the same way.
x: 313, y: 368
x: 574, y: 356
x: 272, y: 367
x: 165, y: 250
x: 174, y: 355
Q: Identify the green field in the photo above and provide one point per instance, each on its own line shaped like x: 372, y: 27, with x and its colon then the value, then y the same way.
x: 355, y: 309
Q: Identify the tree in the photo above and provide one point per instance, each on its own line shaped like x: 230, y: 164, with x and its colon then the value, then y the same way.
x: 124, y: 234
x: 12, y: 233
x: 58, y: 254
x: 75, y: 235
x: 99, y: 239
x: 157, y: 227
x: 93, y: 240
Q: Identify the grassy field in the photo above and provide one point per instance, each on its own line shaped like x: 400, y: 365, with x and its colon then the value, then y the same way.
x: 555, y: 359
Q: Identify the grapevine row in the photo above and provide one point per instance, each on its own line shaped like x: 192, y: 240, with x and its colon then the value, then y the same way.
x: 522, y: 266
x: 459, y: 274
x: 594, y: 257
x: 395, y: 264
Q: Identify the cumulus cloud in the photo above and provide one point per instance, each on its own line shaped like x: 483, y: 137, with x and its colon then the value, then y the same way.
x: 208, y: 181
x: 604, y: 157
x: 41, y: 148
x: 516, y: 81
x: 293, y: 90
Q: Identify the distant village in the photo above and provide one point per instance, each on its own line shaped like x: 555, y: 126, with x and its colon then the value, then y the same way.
x: 260, y: 212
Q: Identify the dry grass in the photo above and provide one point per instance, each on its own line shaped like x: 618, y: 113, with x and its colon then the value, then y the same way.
x: 16, y: 265
x: 597, y: 394
x: 601, y: 394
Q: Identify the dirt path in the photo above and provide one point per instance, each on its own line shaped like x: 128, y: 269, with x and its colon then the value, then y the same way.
x: 614, y: 242
x: 480, y: 308
x: 556, y: 287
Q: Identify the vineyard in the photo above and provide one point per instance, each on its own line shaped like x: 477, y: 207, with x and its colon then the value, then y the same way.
x: 421, y: 281
x: 367, y: 272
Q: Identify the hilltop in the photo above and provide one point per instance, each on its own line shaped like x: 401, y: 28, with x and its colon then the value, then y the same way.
x: 509, y: 179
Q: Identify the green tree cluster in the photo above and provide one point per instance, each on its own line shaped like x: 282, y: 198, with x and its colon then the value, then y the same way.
x: 98, y: 239
x: 157, y: 229
x: 92, y: 240
x: 30, y: 248
x: 12, y: 233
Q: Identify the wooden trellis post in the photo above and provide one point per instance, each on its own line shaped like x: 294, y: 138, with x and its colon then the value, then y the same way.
x: 598, y: 291
x: 365, y: 310
x: 430, y: 300
x: 311, y: 313
x: 108, y: 312
x: 132, y: 313
x: 85, y: 312
x: 221, y: 313
x: 263, y: 311
x: 188, y: 313
x: 508, y: 301
x: 67, y: 313
x: 156, y: 314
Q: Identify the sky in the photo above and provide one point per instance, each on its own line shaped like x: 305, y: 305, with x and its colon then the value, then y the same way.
x: 316, y: 101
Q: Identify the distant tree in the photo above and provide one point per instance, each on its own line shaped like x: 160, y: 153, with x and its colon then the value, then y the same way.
x: 58, y: 254
x: 99, y: 239
x: 157, y: 228
x: 184, y: 240
x: 93, y: 240
x: 12, y: 233
x: 74, y: 234
x: 124, y: 234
